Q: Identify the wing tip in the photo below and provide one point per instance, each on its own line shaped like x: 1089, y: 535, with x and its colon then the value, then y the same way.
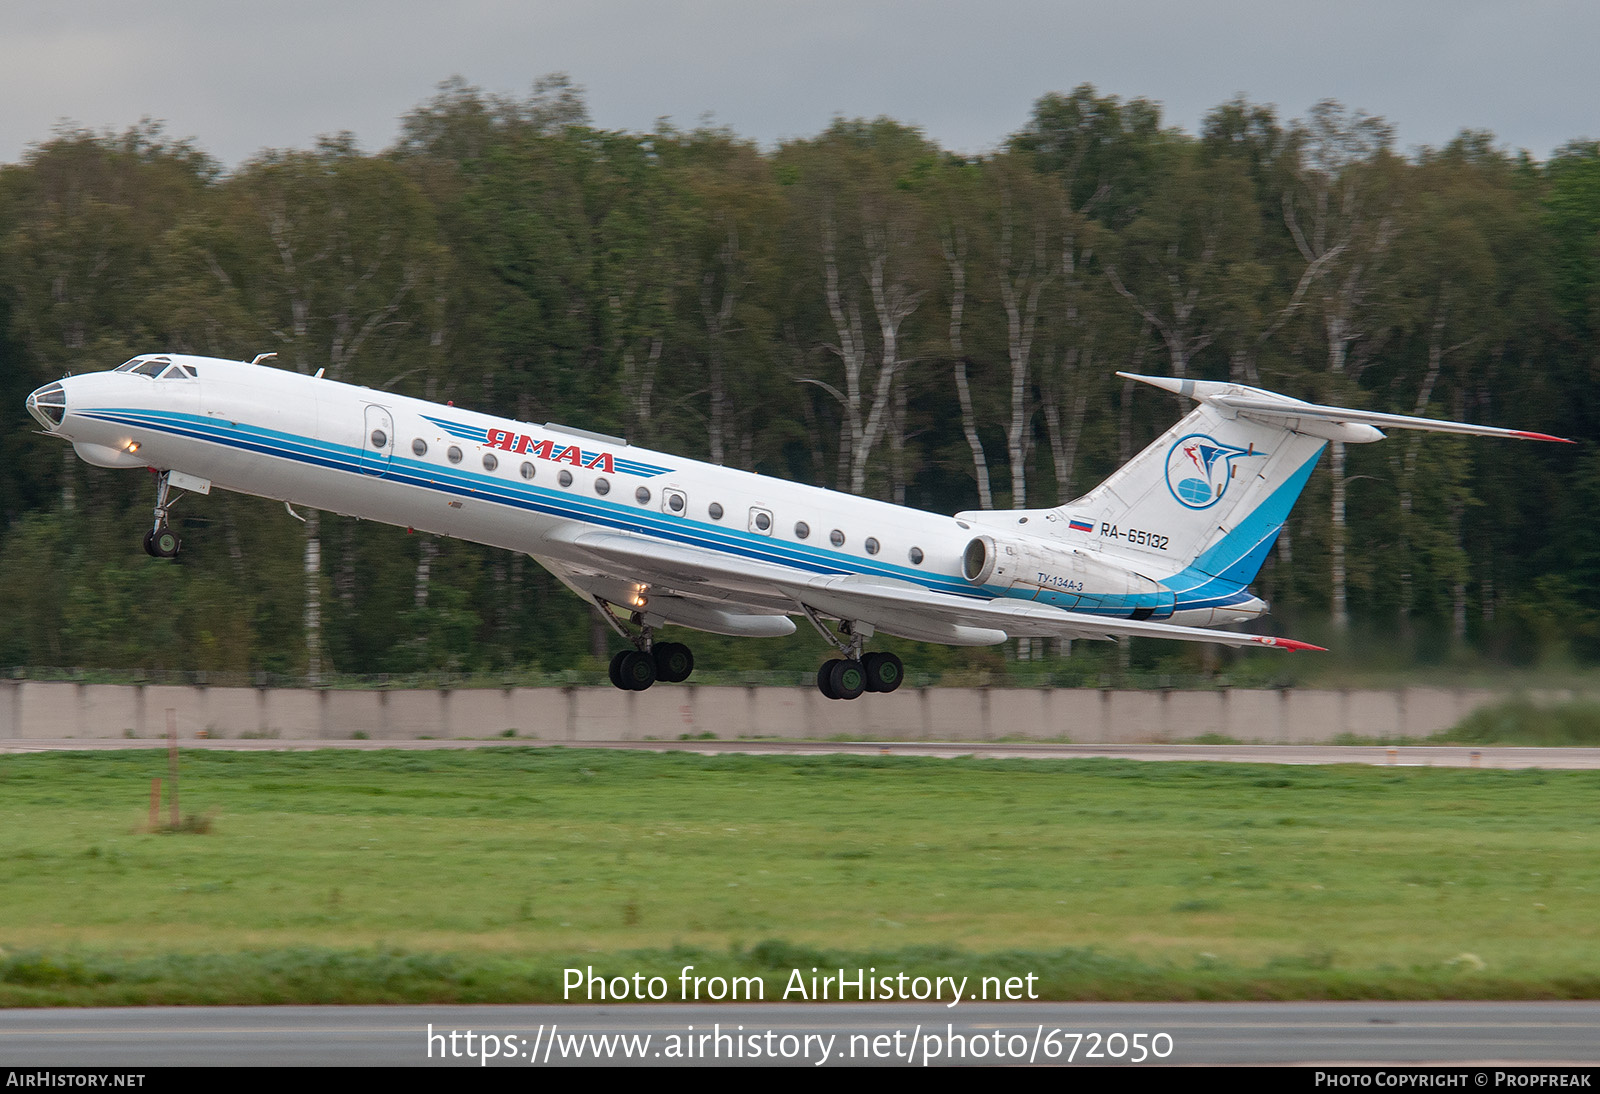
x: 1289, y: 644
x: 1527, y: 435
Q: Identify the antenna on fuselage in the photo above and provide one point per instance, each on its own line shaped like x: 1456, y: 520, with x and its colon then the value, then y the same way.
x: 260, y: 357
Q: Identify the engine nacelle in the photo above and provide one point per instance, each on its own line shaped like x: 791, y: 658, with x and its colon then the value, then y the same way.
x: 1063, y: 577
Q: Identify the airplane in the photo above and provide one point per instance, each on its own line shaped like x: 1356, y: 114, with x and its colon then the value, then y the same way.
x: 1164, y: 548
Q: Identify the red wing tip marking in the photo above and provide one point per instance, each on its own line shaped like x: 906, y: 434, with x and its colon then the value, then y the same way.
x: 1527, y: 436
x: 1289, y: 644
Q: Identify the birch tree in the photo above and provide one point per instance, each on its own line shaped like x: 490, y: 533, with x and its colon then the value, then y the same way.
x: 868, y: 233
x: 1182, y: 263
x: 1341, y: 211
x: 331, y: 255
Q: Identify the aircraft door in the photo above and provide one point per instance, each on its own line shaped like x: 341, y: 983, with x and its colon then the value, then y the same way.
x: 377, y: 441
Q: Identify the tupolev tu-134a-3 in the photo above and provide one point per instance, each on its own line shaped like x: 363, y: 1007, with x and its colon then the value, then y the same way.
x: 1164, y: 548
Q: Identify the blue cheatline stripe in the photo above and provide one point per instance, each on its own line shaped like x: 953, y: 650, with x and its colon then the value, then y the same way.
x: 529, y: 496
x: 611, y: 515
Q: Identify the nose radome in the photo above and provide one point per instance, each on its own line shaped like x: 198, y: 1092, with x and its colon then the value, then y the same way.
x: 48, y: 405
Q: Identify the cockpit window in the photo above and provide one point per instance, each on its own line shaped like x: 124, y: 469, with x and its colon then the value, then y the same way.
x: 154, y: 366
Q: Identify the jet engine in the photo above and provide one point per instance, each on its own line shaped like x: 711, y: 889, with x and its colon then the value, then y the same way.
x: 1064, y: 577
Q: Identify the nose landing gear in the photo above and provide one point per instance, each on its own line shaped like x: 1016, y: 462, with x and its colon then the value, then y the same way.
x: 161, y: 541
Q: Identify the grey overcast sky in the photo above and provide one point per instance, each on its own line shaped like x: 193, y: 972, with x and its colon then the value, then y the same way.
x: 242, y: 76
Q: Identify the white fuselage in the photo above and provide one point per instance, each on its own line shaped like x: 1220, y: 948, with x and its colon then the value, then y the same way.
x: 445, y: 470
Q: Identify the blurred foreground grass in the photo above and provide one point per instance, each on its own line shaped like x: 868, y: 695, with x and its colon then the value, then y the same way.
x: 480, y: 875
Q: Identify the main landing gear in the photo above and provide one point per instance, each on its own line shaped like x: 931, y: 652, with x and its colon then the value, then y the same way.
x: 852, y: 675
x: 848, y: 678
x: 635, y: 670
x: 161, y: 541
x: 649, y: 660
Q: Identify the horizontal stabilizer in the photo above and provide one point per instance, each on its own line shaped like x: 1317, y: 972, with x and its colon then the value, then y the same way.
x: 1262, y: 405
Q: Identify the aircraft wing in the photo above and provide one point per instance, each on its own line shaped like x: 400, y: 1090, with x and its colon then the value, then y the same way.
x: 896, y: 607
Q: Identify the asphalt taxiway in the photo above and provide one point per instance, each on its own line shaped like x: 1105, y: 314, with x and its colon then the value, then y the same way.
x: 1503, y: 757
x: 1475, y: 1036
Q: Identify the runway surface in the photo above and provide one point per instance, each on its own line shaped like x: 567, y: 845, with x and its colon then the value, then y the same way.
x: 1080, y: 1034
x: 1504, y: 757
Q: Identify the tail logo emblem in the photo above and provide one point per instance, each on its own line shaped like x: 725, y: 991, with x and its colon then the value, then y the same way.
x: 1199, y: 469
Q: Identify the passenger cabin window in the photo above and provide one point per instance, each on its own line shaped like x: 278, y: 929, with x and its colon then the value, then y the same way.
x: 565, y: 478
x: 674, y: 501
x: 454, y: 454
x: 801, y: 529
x: 836, y: 538
x: 714, y: 511
x: 915, y: 556
x: 642, y: 496
x: 872, y: 545
x: 761, y: 521
x: 602, y: 487
x: 527, y: 470
x: 490, y: 461
x: 419, y: 446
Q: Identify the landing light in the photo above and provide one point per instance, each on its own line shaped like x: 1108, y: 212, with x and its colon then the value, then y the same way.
x: 132, y: 446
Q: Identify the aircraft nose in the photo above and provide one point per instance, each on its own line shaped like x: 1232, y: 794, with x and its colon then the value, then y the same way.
x: 48, y: 405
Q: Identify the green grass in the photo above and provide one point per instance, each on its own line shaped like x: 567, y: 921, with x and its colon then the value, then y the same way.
x: 480, y: 875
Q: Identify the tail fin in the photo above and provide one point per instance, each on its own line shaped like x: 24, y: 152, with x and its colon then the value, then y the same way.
x: 1205, y: 502
x: 1199, y: 509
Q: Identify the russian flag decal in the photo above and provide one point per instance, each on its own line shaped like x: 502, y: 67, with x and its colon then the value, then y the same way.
x: 1081, y: 525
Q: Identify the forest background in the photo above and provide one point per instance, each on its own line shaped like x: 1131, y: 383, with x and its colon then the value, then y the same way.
x: 861, y: 310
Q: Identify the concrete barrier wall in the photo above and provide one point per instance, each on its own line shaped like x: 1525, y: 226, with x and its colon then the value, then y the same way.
x: 42, y: 709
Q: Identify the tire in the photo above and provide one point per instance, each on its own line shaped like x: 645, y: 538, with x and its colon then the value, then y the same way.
x: 166, y: 543
x: 615, y: 671
x: 674, y: 662
x: 824, y: 678
x: 636, y: 670
x: 848, y: 679
x: 884, y: 671
x: 150, y: 544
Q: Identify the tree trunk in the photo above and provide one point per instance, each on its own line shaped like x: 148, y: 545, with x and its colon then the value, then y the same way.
x: 718, y: 314
x: 1338, y: 609
x: 969, y: 426
x: 427, y: 550
x: 955, y: 256
x: 1021, y: 316
x: 313, y: 592
x: 1064, y: 441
